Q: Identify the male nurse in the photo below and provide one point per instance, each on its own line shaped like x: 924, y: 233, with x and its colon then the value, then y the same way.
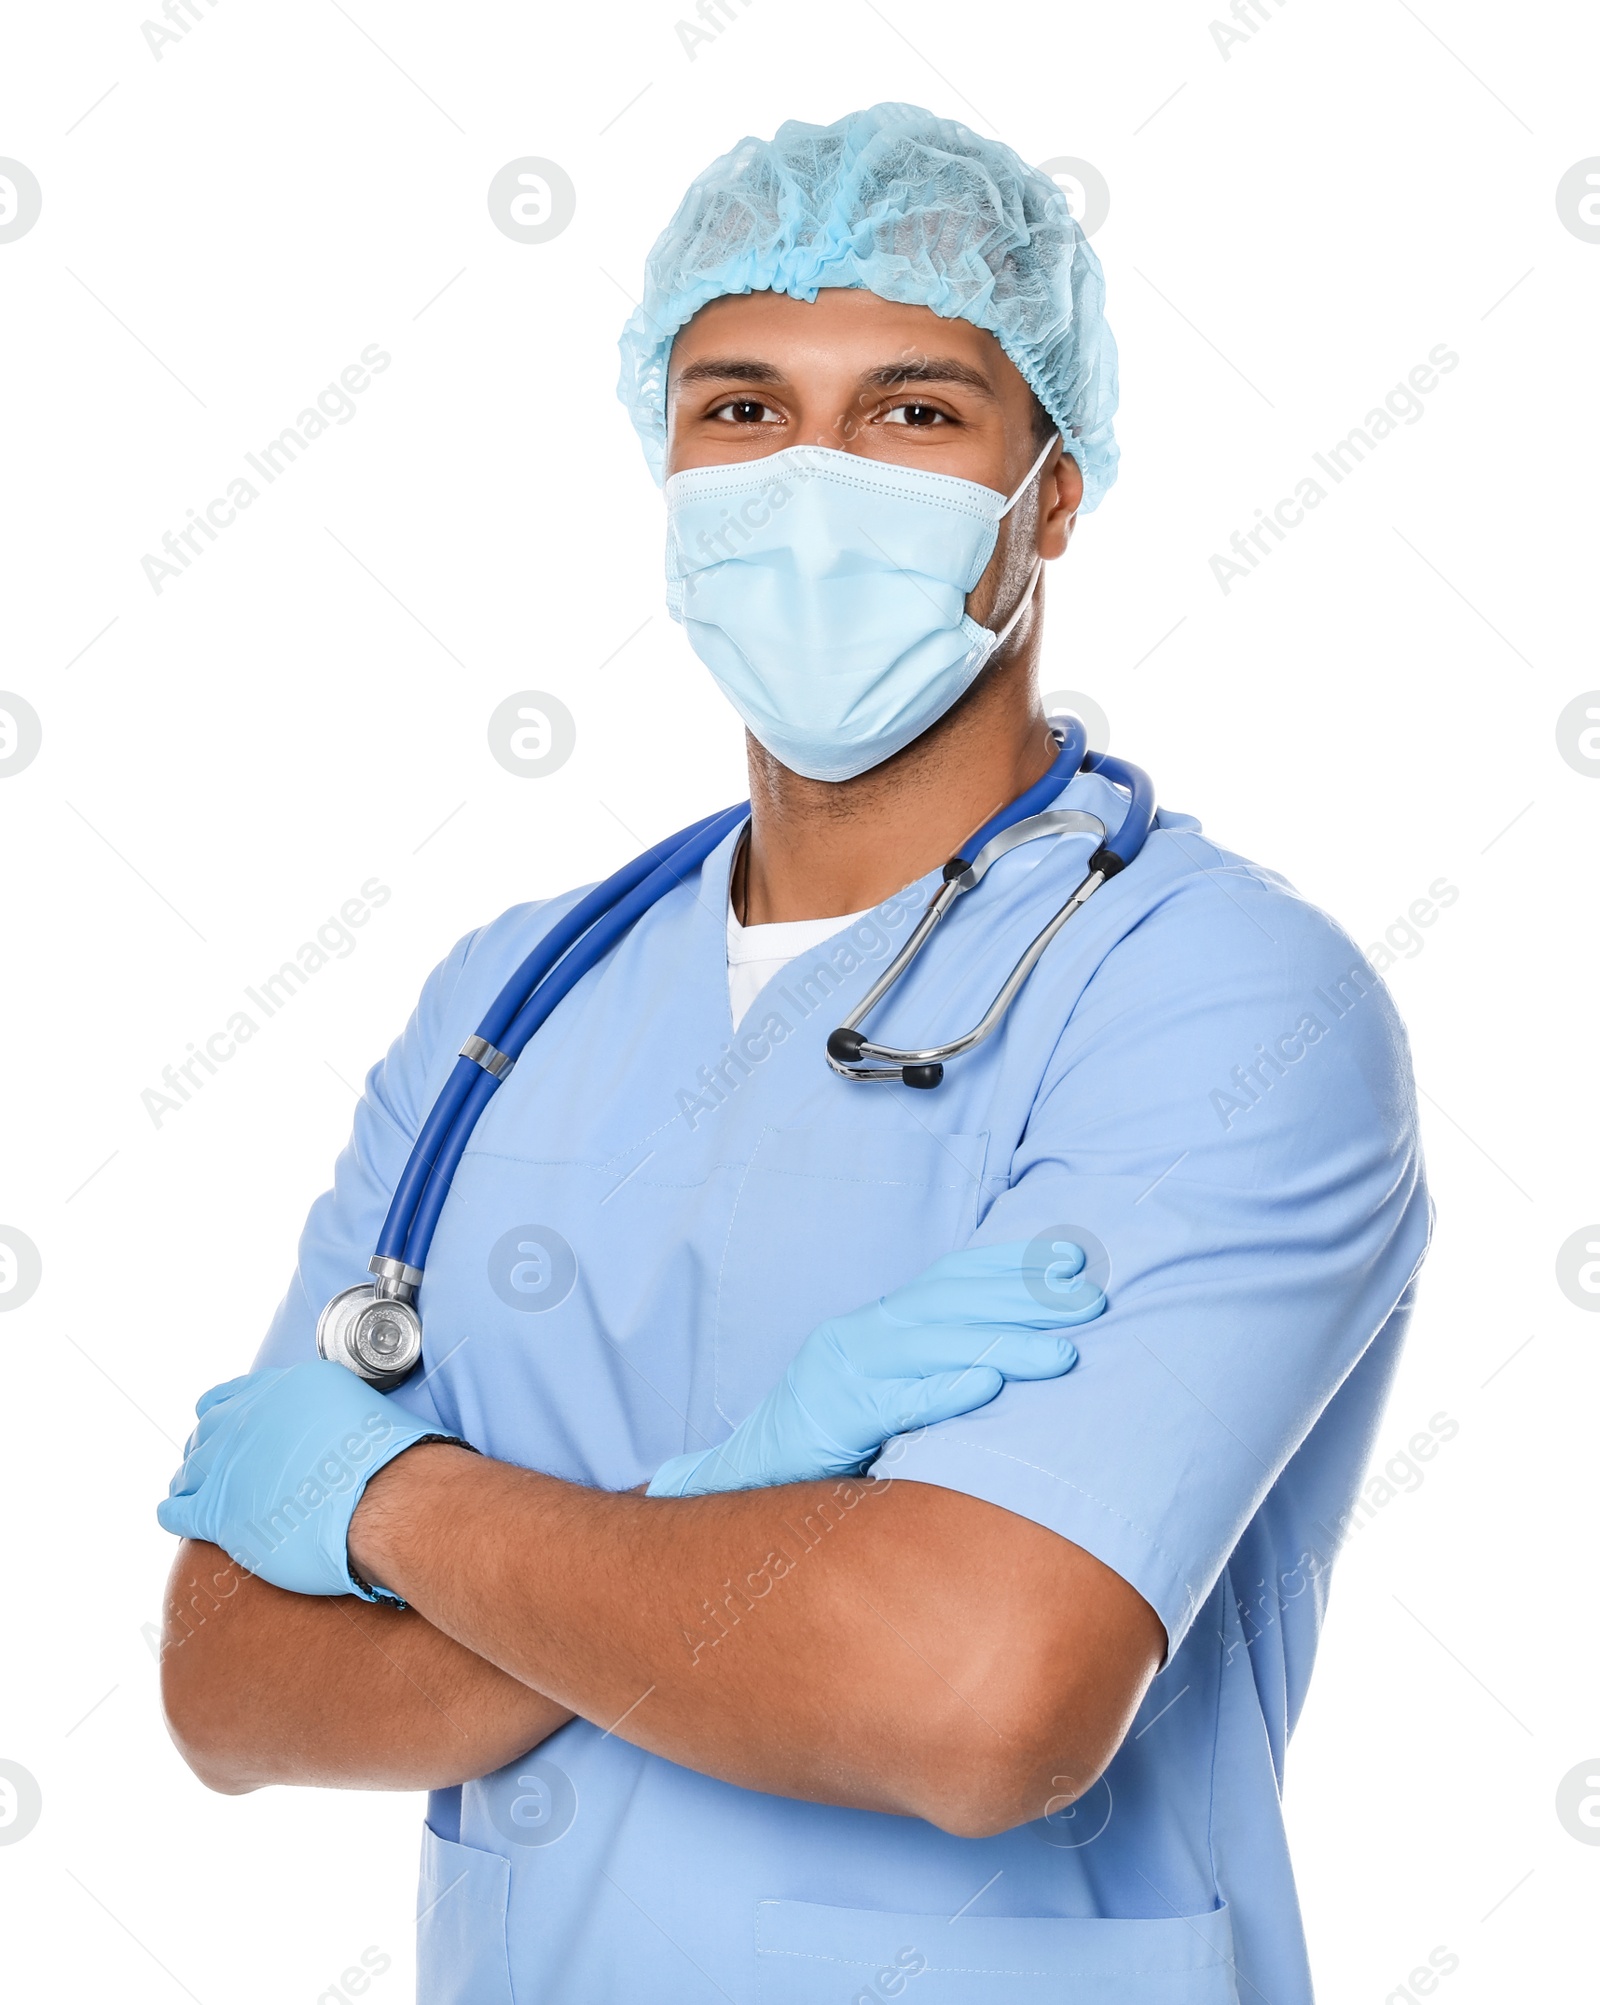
x: 845, y: 1542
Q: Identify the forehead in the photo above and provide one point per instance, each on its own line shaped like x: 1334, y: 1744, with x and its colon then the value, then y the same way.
x: 844, y: 330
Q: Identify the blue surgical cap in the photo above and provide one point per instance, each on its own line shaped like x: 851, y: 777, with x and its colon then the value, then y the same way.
x: 915, y: 208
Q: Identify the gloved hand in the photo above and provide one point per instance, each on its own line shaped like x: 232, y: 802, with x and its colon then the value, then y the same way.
x: 276, y: 1466
x: 942, y: 1345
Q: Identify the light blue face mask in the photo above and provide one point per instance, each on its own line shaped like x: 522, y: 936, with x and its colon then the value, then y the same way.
x: 827, y: 595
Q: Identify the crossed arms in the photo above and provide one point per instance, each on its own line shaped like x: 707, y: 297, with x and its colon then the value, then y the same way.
x: 885, y: 1645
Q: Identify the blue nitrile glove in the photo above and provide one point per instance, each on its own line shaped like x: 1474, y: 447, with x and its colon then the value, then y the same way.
x: 276, y: 1466
x: 942, y: 1345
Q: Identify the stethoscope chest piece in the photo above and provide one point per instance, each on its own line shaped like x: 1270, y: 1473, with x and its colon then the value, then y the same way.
x: 373, y: 1330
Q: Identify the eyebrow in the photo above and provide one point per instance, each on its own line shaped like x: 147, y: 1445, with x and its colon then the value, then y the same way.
x: 715, y: 371
x: 930, y: 369
x: 891, y: 376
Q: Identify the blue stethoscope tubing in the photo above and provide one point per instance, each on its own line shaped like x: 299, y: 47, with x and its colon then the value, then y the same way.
x: 374, y: 1329
x: 1137, y: 821
x: 574, y: 945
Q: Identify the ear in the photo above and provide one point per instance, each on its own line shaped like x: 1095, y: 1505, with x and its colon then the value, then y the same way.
x: 1060, y: 496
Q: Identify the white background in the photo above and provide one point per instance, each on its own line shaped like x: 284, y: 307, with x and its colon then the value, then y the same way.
x: 1292, y: 229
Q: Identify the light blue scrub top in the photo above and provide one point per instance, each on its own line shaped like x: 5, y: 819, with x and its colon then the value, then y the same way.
x: 1203, y: 1076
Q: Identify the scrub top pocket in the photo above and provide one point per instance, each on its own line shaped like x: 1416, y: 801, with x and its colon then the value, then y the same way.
x: 821, y: 1225
x: 461, y: 1925
x: 854, y: 1957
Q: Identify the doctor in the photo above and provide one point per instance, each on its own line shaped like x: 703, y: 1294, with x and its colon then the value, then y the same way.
x: 1006, y: 1716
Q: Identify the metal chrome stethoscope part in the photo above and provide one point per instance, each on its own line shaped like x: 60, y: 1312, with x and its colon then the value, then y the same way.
x: 372, y: 1329
x: 853, y: 1055
x: 847, y: 1047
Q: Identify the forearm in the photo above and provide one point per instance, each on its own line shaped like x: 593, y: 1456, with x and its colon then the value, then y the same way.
x: 847, y: 1642
x: 260, y: 1686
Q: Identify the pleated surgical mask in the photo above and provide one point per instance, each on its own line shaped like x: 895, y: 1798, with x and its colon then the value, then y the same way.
x: 827, y: 595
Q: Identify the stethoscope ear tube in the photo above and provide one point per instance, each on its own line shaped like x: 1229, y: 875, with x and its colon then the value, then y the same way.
x: 1140, y: 818
x: 854, y: 1056
x: 1073, y: 739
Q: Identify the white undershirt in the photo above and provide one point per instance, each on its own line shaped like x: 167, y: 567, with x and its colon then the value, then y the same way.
x: 757, y: 953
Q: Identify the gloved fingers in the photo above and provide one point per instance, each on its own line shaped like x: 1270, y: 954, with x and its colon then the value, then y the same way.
x: 685, y: 1475
x: 918, y: 1402
x: 176, y: 1514
x: 728, y: 1466
x: 215, y: 1416
x: 186, y: 1479
x: 199, y: 1453
x: 907, y: 1350
x: 226, y: 1390
x: 1035, y: 1297
x: 665, y: 1482
x: 1015, y: 1353
x: 1007, y: 1283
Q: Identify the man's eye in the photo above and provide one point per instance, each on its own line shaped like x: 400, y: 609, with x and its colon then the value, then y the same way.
x: 745, y: 411
x: 920, y: 415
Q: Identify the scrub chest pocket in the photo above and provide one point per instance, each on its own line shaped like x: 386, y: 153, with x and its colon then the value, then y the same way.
x: 461, y: 1925
x: 818, y: 1228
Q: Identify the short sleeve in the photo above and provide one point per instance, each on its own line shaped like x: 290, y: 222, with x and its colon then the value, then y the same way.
x: 1229, y: 1114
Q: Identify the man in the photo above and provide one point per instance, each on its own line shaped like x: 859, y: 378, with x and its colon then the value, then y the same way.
x: 1005, y: 1719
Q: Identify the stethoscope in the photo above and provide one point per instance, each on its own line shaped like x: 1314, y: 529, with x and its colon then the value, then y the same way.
x: 375, y: 1329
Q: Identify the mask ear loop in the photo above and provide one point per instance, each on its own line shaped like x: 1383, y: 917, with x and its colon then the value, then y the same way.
x: 1027, y: 478
x: 1004, y: 634
x: 1023, y: 603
